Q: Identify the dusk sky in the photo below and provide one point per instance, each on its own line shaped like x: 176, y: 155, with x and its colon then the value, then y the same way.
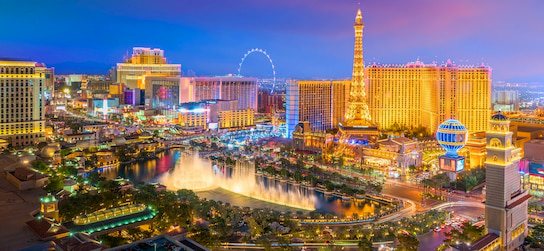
x: 307, y: 39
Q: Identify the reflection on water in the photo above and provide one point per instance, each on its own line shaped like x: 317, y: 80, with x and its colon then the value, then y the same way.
x: 154, y: 170
x: 194, y: 173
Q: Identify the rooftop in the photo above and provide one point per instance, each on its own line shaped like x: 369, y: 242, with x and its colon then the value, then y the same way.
x: 46, y: 228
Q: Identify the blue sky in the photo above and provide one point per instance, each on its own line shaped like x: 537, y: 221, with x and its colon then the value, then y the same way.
x: 305, y: 38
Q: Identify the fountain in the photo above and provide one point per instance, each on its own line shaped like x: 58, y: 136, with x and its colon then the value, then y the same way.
x: 197, y: 174
x: 191, y: 172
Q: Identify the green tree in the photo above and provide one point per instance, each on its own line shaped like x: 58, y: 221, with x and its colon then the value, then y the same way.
x: 364, y: 244
x: 468, y: 234
x: 255, y: 228
x: 54, y: 184
x: 536, y: 236
x: 39, y: 165
x: 408, y: 242
x: 534, y: 208
x: 92, y: 161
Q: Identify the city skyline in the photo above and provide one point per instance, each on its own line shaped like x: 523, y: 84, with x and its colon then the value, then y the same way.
x: 306, y: 39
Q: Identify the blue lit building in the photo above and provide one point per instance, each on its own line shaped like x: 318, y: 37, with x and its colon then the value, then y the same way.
x: 452, y: 136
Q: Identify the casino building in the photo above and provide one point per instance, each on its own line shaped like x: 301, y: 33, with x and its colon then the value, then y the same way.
x: 426, y: 94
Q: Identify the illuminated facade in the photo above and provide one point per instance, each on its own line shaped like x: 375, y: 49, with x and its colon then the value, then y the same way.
x: 227, y: 88
x: 236, y: 118
x: 452, y: 136
x: 506, y: 200
x: 22, y: 102
x: 357, y: 124
x: 474, y: 150
x: 306, y: 139
x: 145, y: 62
x: 162, y: 91
x: 532, y: 167
x: 214, y: 114
x: 393, y: 154
x: 419, y: 94
x: 322, y: 103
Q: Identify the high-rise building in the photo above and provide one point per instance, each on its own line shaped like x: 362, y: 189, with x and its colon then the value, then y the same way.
x: 357, y: 123
x: 49, y: 84
x: 22, y: 102
x: 506, y: 101
x: 267, y: 102
x: 506, y: 200
x: 418, y: 94
x: 195, y: 89
x: 322, y: 103
x: 214, y: 114
x: 162, y: 91
x: 145, y: 62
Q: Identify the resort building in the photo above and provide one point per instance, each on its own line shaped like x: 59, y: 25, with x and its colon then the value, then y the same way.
x: 427, y: 94
x: 22, y: 101
x: 145, y: 62
x: 307, y: 140
x: 244, y: 90
x: 322, y: 103
x: 393, y: 156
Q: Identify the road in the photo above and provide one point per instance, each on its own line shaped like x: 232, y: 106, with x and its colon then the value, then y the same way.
x: 431, y: 240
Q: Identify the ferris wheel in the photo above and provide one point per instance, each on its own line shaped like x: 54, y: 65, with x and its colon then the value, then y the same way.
x: 263, y: 52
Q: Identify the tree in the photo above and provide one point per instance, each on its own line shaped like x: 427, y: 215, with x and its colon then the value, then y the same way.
x: 364, y: 244
x: 408, y: 242
x: 39, y: 165
x: 255, y: 227
x: 443, y: 247
x: 536, y: 236
x: 94, y: 178
x: 75, y: 127
x: 92, y: 161
x: 468, y: 234
x: 54, y: 184
x: 534, y: 208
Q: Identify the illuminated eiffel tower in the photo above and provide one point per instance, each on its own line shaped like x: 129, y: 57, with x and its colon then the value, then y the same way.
x: 357, y: 127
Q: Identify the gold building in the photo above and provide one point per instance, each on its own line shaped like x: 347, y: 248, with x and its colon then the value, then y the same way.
x: 322, y: 103
x: 190, y: 120
x: 307, y: 140
x: 236, y: 118
x: 418, y: 94
x: 22, y: 102
x: 145, y: 62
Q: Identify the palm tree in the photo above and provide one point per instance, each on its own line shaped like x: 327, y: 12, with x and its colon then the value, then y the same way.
x: 534, y: 208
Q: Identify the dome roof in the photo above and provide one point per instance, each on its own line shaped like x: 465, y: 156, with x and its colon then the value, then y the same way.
x: 499, y: 117
x: 451, y: 135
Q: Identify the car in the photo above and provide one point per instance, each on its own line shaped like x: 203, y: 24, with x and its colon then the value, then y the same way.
x: 443, y: 226
x: 437, y: 229
x: 448, y: 223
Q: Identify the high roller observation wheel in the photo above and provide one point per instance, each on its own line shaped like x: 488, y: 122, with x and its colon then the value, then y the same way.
x: 257, y: 50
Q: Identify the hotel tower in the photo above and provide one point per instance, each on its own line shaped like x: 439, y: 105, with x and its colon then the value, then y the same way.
x: 427, y: 94
x: 22, y: 101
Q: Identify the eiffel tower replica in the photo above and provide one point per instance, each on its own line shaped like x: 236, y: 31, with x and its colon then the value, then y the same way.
x: 357, y: 128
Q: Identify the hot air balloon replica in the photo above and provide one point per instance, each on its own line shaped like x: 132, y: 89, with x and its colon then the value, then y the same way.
x: 452, y: 136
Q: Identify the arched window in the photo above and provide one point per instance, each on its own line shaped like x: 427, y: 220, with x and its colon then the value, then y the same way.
x: 495, y: 157
x: 495, y: 142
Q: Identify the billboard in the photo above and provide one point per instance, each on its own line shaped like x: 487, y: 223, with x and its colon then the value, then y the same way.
x: 450, y: 164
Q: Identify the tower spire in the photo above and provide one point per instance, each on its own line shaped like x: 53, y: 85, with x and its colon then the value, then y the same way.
x: 357, y: 113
